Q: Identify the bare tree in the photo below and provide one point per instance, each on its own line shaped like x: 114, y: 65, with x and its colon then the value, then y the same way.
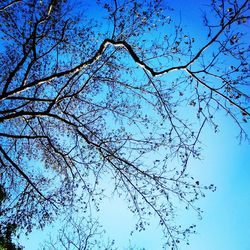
x: 85, y: 100
x: 79, y: 234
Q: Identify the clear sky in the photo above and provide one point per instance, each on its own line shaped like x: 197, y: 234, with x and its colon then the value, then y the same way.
x: 226, y: 163
x: 226, y: 219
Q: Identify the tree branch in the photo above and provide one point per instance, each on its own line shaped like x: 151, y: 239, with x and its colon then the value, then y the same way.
x: 23, y: 175
x: 8, y: 5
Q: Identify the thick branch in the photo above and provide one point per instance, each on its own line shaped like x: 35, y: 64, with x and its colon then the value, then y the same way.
x: 8, y: 5
x: 23, y: 136
x: 142, y: 64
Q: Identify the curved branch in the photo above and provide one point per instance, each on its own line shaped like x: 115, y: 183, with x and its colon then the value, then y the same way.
x: 137, y: 60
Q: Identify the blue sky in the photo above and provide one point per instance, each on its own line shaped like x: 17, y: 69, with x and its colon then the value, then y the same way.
x: 226, y: 221
x: 226, y: 218
x: 226, y: 164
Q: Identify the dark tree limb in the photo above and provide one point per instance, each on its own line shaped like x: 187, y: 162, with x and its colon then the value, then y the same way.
x: 9, y: 5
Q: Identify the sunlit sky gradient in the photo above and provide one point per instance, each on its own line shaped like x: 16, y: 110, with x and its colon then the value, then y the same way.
x: 226, y: 163
x: 226, y: 218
